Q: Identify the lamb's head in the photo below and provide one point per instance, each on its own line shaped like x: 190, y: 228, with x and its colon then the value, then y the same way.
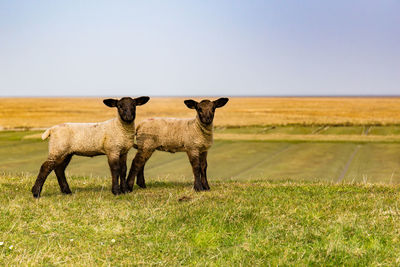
x: 206, y: 108
x: 126, y: 106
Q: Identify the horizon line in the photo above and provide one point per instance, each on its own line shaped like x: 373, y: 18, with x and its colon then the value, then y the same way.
x: 182, y: 96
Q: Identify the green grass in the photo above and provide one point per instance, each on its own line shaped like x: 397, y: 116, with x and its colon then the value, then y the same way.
x: 294, y: 130
x: 297, y: 129
x: 15, y: 135
x: 271, y: 203
x: 236, y: 223
x: 357, y: 130
x: 384, y: 130
x: 312, y: 129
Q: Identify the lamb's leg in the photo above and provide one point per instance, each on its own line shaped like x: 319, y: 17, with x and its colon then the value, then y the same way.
x: 194, y: 159
x: 60, y: 173
x: 203, y: 163
x: 45, y: 170
x: 113, y: 162
x: 140, y: 178
x: 137, y: 163
x: 122, y: 165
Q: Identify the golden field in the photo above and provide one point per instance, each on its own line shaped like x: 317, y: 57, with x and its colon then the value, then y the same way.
x: 240, y: 111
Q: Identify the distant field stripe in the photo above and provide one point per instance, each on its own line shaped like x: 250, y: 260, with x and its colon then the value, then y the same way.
x: 367, y: 129
x: 265, y: 160
x: 348, y: 163
x: 268, y: 129
x: 320, y: 129
x: 7, y: 145
x: 309, y: 137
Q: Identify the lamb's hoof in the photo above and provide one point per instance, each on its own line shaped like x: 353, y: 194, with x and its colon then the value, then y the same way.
x: 66, y: 191
x: 35, y: 193
x: 123, y: 189
x: 129, y: 189
x: 116, y: 191
x: 198, y: 188
x: 142, y: 185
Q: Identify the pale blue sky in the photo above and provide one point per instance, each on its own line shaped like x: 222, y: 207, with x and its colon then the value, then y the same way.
x: 63, y: 48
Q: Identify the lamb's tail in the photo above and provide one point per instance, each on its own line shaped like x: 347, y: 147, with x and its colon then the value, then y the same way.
x: 46, y: 134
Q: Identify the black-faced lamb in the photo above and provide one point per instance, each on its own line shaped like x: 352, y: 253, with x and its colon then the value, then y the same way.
x: 113, y: 138
x: 193, y: 136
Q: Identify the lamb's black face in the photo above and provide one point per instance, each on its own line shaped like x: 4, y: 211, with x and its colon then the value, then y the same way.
x: 127, y: 109
x: 206, y: 108
x: 126, y: 106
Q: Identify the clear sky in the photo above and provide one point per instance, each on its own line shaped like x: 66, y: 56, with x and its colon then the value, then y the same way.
x: 88, y: 48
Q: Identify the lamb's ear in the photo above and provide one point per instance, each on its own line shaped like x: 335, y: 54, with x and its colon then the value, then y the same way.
x: 190, y: 103
x: 141, y: 100
x: 110, y: 102
x: 220, y: 102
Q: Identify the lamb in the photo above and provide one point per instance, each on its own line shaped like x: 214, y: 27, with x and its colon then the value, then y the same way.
x: 113, y: 138
x: 193, y: 136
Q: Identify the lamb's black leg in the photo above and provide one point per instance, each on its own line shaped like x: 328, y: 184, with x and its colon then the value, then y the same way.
x: 140, y: 178
x: 130, y: 180
x: 122, y: 165
x: 194, y: 159
x: 45, y: 170
x: 137, y: 164
x: 113, y: 162
x: 203, y: 164
x: 60, y: 173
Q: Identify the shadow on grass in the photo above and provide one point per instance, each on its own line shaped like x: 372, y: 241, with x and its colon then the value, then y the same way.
x: 55, y: 192
x: 107, y: 189
x: 150, y: 185
x: 158, y: 184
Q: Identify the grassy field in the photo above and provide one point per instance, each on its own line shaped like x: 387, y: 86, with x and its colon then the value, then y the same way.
x: 294, y: 181
x: 236, y: 223
x: 44, y: 112
x: 271, y: 203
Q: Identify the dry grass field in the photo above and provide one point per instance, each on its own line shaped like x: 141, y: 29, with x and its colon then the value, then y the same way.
x: 44, y: 112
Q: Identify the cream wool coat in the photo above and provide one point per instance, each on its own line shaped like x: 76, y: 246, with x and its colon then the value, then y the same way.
x: 112, y: 137
x: 174, y: 135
